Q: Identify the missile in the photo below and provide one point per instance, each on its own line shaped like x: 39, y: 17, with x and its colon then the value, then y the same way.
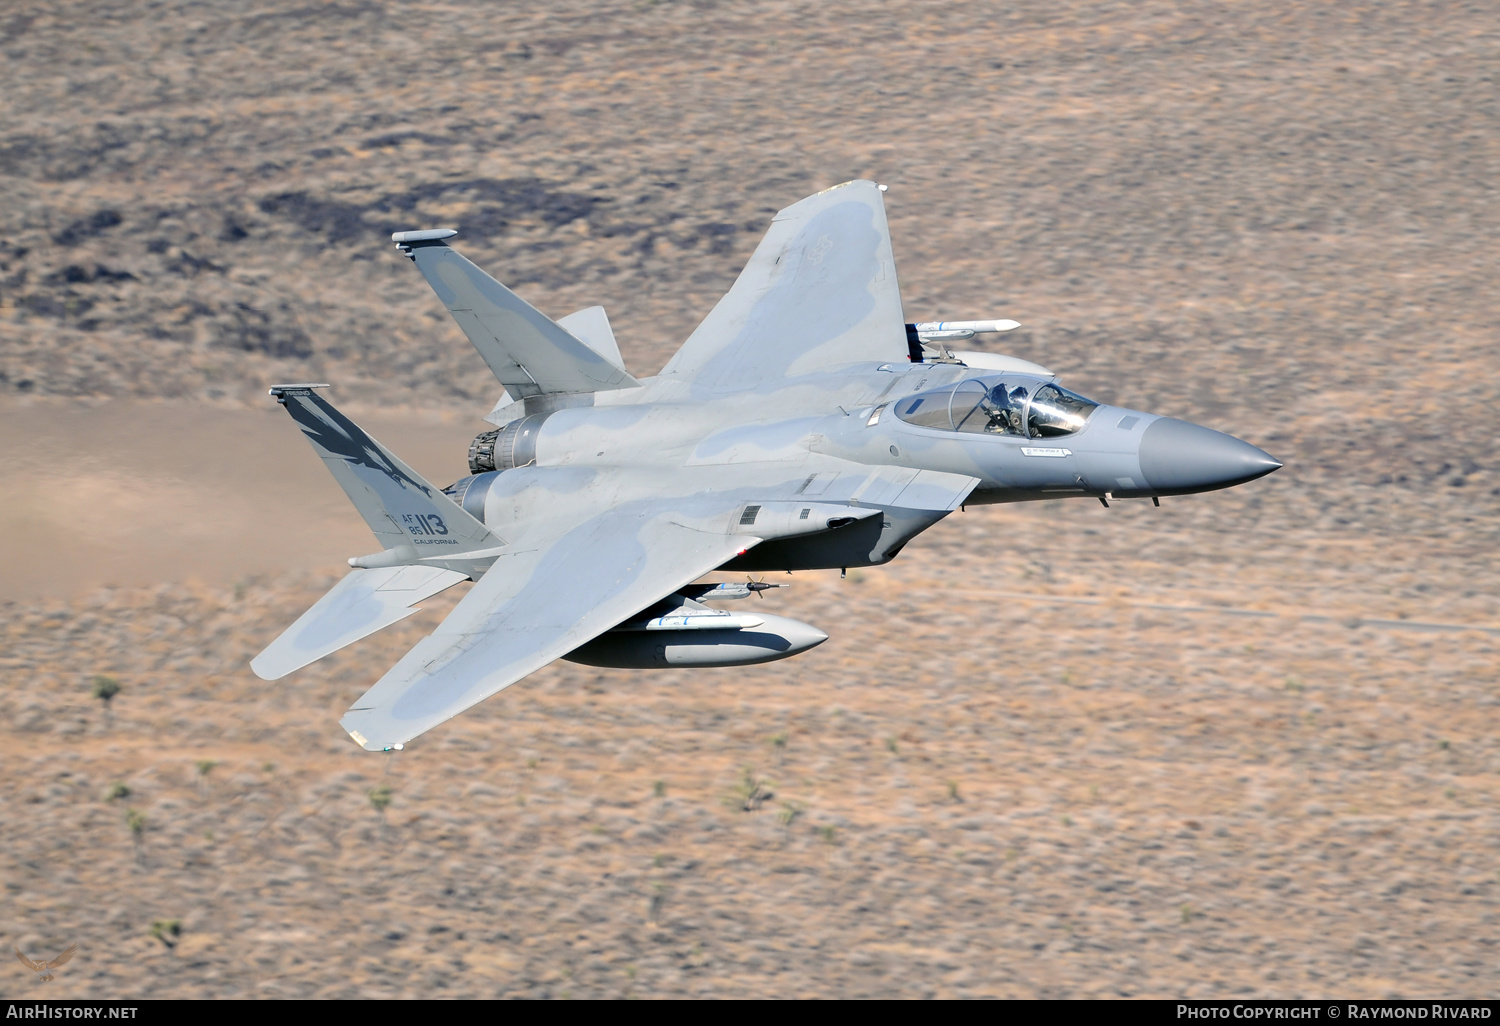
x: 959, y: 331
x: 731, y: 590
x: 690, y: 619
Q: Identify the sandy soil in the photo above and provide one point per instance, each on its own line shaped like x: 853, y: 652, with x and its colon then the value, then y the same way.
x: 131, y: 493
x: 1243, y: 744
x: 1049, y: 751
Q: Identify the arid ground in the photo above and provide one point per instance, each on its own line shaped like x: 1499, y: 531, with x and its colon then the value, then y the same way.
x: 1245, y: 744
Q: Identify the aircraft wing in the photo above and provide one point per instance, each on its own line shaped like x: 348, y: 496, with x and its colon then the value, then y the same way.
x: 819, y: 292
x: 561, y: 585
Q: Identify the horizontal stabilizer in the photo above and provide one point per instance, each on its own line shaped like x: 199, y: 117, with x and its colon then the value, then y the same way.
x: 358, y: 606
x: 525, y: 611
x: 530, y: 353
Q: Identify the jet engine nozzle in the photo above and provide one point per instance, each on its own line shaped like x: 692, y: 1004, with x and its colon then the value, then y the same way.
x: 506, y: 448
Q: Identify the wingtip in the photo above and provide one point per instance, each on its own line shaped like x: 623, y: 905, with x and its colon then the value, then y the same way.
x: 853, y: 182
x: 812, y: 201
x: 264, y: 670
x: 373, y: 746
x: 424, y: 235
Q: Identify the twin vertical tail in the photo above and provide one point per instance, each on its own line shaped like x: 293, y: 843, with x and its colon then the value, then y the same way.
x: 528, y: 352
x: 429, y: 542
x: 413, y: 519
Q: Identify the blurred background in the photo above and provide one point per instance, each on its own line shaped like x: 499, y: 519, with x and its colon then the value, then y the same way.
x: 1242, y: 744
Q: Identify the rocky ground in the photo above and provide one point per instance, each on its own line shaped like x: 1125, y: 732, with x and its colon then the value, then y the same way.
x: 1011, y: 771
x: 1239, y: 745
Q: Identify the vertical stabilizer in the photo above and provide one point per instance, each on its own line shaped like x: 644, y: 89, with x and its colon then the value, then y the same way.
x: 411, y: 518
x: 529, y: 352
x: 591, y: 326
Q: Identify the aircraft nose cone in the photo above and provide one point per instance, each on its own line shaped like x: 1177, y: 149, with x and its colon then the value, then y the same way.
x: 1179, y: 457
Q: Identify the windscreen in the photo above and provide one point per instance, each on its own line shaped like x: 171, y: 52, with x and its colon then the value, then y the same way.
x: 1056, y: 411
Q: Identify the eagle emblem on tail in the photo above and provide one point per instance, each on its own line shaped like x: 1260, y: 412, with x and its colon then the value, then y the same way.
x: 44, y: 969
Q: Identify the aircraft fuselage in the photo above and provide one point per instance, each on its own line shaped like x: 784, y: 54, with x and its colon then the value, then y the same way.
x: 866, y: 451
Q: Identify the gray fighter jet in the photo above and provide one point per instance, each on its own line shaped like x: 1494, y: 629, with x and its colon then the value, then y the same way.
x: 803, y: 426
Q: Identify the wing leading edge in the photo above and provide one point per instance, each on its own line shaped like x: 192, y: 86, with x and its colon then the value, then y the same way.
x: 524, y: 613
x: 819, y: 292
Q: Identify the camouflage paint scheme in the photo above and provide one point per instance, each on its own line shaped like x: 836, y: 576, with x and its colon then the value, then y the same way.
x: 771, y: 441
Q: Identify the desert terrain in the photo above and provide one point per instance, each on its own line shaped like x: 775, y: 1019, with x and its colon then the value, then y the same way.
x: 1244, y: 744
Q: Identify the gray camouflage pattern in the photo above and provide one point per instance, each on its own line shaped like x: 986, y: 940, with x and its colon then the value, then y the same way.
x: 784, y: 435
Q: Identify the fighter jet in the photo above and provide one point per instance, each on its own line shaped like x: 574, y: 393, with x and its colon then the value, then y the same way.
x: 804, y: 425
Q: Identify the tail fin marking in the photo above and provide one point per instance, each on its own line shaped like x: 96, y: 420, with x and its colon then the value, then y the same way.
x: 404, y: 511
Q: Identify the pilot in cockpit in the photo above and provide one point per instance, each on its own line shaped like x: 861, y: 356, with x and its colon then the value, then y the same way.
x: 1003, y: 408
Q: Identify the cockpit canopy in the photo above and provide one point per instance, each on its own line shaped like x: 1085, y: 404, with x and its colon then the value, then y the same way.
x: 1022, y: 407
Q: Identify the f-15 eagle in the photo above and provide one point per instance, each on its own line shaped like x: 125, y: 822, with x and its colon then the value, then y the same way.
x: 804, y: 425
